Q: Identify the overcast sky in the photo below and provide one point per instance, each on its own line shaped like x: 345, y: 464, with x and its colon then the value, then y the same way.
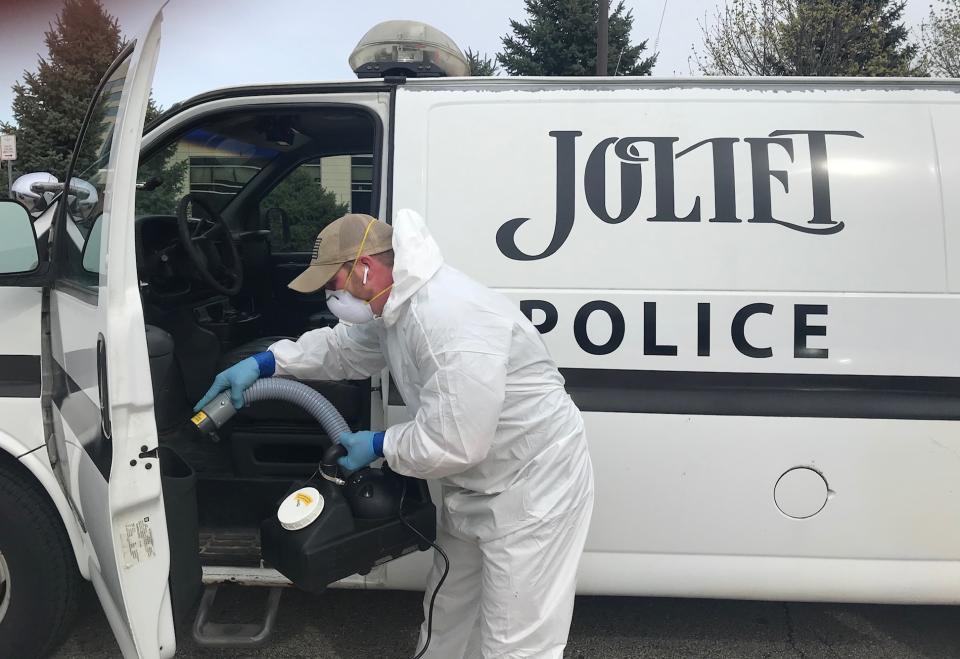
x: 216, y: 43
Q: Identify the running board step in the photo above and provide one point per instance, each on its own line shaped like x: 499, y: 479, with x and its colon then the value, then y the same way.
x: 234, y: 635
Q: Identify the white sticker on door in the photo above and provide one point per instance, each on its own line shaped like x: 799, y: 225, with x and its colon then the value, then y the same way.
x: 136, y: 542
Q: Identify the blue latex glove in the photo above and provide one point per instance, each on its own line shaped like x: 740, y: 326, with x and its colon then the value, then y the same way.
x: 362, y: 448
x: 238, y: 379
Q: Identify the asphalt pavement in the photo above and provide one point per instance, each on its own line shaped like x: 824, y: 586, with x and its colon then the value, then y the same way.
x: 350, y: 624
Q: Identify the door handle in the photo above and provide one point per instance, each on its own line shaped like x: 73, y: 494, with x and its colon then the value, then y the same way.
x: 102, y: 386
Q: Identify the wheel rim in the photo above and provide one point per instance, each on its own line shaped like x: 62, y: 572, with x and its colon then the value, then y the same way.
x: 4, y: 588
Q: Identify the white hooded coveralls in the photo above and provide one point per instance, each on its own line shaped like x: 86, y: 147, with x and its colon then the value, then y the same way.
x: 493, y: 423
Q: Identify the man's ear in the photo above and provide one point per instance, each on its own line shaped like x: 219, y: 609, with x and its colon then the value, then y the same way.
x: 367, y: 261
x: 362, y: 272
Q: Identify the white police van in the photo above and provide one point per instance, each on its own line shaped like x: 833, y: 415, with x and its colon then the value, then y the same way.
x: 750, y: 284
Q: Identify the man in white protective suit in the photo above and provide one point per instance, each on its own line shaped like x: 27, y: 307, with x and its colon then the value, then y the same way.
x: 492, y: 423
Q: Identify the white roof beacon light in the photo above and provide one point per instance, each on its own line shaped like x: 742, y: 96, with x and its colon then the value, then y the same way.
x: 407, y: 48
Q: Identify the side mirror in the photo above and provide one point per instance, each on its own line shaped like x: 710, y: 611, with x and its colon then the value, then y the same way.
x: 28, y: 190
x: 91, y: 248
x: 279, y: 215
x: 18, y: 241
x: 82, y: 198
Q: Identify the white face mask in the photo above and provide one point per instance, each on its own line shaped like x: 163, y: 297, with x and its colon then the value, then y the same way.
x: 346, y: 307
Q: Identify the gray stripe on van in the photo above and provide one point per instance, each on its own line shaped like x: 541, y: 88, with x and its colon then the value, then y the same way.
x: 19, y: 376
x: 764, y: 394
x: 759, y: 394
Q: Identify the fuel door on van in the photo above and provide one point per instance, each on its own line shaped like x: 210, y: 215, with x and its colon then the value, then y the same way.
x: 101, y: 401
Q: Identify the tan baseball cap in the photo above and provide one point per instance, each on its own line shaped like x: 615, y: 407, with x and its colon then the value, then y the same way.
x: 343, y: 241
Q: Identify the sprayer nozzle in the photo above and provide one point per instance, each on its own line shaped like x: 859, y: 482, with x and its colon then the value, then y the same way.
x: 214, y: 414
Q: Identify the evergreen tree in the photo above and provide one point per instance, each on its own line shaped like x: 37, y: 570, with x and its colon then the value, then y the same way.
x: 481, y: 65
x: 896, y: 53
x: 809, y: 38
x: 50, y: 103
x: 307, y: 211
x: 559, y: 38
x: 847, y: 38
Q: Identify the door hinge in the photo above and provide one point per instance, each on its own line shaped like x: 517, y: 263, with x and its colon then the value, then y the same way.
x: 144, y: 453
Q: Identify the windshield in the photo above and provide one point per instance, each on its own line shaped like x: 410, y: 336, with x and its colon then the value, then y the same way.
x: 215, y: 161
x: 286, y: 169
x: 220, y: 165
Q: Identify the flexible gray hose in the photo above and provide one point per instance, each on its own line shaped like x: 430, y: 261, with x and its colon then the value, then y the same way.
x: 303, y: 396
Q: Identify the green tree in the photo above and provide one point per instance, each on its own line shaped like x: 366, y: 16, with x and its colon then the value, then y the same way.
x: 808, y: 38
x: 559, y: 38
x: 481, y: 65
x: 940, y: 39
x: 50, y: 103
x: 309, y: 208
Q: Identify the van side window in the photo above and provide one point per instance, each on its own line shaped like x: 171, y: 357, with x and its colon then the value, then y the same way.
x: 313, y: 195
x: 87, y: 189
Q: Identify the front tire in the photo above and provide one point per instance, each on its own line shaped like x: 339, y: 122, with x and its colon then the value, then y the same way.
x: 39, y: 582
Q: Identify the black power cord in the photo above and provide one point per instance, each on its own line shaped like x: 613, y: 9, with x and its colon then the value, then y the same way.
x: 443, y: 577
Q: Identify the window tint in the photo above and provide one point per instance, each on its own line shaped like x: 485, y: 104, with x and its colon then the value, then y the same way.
x: 87, y: 189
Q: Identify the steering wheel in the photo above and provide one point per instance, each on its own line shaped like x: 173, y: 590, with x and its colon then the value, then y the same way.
x: 210, y: 246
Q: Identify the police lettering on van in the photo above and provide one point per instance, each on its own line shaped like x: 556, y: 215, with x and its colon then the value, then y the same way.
x: 803, y: 328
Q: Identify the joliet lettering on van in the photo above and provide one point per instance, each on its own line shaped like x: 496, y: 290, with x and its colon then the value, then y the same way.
x: 724, y: 185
